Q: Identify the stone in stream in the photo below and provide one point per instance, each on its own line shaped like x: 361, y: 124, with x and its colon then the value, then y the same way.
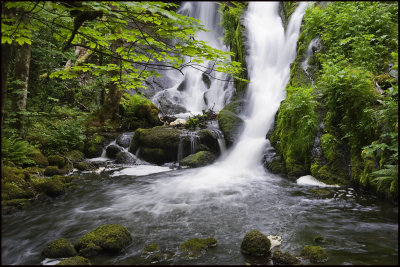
x: 112, y: 150
x: 315, y: 254
x: 198, y: 159
x: 124, y: 157
x: 77, y: 260
x: 195, y: 247
x: 106, y: 239
x: 255, y: 243
x: 286, y: 258
x: 124, y: 140
x: 59, y: 248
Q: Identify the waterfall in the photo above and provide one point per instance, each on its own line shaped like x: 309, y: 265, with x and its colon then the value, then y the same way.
x: 221, y: 140
x: 191, y: 138
x: 197, y: 90
x: 304, y: 64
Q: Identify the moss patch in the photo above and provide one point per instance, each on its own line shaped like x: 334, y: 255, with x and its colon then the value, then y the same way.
x: 77, y: 260
x: 56, y: 160
x: 198, y: 159
x: 229, y: 122
x: 59, y: 248
x: 255, y: 243
x: 315, y: 254
x: 286, y: 258
x: 111, y: 238
x: 195, y: 247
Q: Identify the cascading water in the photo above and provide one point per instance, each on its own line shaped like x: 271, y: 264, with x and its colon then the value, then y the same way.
x: 197, y: 91
x: 193, y: 139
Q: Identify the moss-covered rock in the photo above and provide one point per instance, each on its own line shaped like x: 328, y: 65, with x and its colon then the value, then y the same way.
x: 59, y: 248
x: 111, y: 239
x: 156, y: 145
x: 94, y: 146
x: 255, y: 243
x: 52, y: 187
x: 9, y: 206
x: 278, y: 257
x: 319, y: 239
x: 276, y: 165
x: 150, y: 248
x: 82, y: 166
x: 198, y: 159
x: 195, y: 247
x: 315, y: 254
x: 39, y: 159
x: 55, y: 170
x: 77, y: 260
x: 321, y: 192
x: 15, y: 183
x: 112, y: 151
x: 56, y: 160
x: 75, y: 156
x: 208, y: 139
x: 229, y: 122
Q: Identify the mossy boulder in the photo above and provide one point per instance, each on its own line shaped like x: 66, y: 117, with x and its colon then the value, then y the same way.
x: 319, y: 239
x: 229, y: 122
x: 82, y: 166
x: 315, y: 254
x: 59, y: 248
x: 9, y: 206
x: 195, y: 247
x: 284, y: 258
x: 109, y: 239
x: 198, y: 159
x: 39, y: 159
x: 15, y: 183
x: 156, y: 145
x: 151, y: 248
x: 94, y: 146
x: 55, y: 170
x: 52, y: 187
x: 255, y: 243
x: 75, y: 156
x: 208, y: 139
x: 56, y: 160
x: 124, y: 157
x: 77, y: 260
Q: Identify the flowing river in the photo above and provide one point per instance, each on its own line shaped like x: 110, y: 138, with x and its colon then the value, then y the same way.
x: 225, y: 200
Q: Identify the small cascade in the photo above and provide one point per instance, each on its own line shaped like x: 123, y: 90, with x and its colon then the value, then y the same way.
x: 221, y: 140
x: 312, y: 46
x: 188, y: 144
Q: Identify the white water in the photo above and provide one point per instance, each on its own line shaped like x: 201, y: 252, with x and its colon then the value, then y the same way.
x: 271, y: 51
x: 196, y: 96
x: 309, y: 180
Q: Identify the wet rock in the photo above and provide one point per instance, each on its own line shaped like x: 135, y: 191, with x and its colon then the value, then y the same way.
x: 195, y: 247
x: 112, y: 150
x: 125, y: 157
x: 54, y: 170
x: 77, y: 260
x: 206, y: 80
x: 315, y: 254
x: 56, y: 160
x: 109, y: 239
x: 59, y: 248
x: 278, y: 257
x: 198, y: 159
x: 319, y: 239
x: 153, y: 247
x: 182, y: 86
x: 209, y: 139
x: 229, y: 122
x: 52, y: 187
x: 255, y: 243
x: 124, y: 140
x: 83, y: 166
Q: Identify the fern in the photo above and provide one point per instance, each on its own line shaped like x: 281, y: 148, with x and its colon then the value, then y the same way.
x: 17, y: 151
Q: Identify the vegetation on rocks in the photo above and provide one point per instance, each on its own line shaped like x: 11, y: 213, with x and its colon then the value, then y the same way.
x: 284, y: 258
x: 255, y: 243
x: 77, y: 260
x: 315, y: 254
x: 195, y: 247
x: 59, y: 248
x: 198, y: 159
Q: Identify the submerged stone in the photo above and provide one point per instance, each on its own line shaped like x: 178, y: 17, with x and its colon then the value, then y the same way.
x: 278, y: 257
x: 255, y: 243
x: 77, y: 260
x: 111, y: 238
x: 195, y: 247
x: 59, y: 248
x: 315, y: 254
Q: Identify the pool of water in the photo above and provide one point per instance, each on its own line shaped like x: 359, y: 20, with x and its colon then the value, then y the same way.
x: 167, y: 207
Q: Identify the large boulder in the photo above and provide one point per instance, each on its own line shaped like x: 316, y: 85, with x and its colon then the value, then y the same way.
x: 109, y: 239
x: 255, y: 243
x: 229, y: 121
x: 59, y: 248
x: 156, y: 145
x: 198, y: 159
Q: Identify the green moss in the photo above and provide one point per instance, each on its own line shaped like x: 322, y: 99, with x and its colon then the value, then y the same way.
x: 111, y: 238
x: 319, y: 239
x: 75, y: 156
x: 40, y: 159
x: 198, y: 159
x: 320, y: 192
x: 194, y: 247
x: 94, y: 146
x: 52, y: 187
x: 286, y: 258
x: 59, y: 248
x: 153, y: 247
x: 56, y: 160
x: 9, y: 206
x: 51, y: 170
x: 77, y: 260
x: 315, y: 254
x: 82, y: 166
x: 15, y: 184
x: 329, y: 145
x: 255, y: 243
x: 229, y: 122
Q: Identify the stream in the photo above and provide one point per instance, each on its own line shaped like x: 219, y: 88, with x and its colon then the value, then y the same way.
x: 225, y: 200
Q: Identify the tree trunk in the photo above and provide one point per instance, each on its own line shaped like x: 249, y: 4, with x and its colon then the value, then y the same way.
x: 112, y: 99
x: 6, y: 50
x: 21, y: 74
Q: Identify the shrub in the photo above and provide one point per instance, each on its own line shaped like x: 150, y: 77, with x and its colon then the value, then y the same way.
x: 17, y: 151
